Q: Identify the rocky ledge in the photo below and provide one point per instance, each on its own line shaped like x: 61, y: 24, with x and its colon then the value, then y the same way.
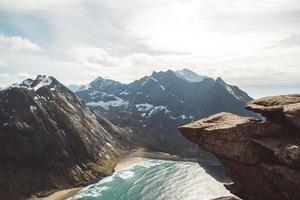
x: 262, y: 157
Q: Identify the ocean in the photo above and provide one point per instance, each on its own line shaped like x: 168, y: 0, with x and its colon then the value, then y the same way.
x: 156, y: 180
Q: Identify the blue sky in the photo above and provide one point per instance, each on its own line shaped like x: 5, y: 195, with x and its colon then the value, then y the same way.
x: 253, y: 44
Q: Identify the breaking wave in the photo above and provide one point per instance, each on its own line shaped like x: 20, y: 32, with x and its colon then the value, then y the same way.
x: 156, y: 180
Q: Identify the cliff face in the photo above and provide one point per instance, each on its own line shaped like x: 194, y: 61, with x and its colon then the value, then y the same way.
x: 261, y: 157
x: 49, y: 140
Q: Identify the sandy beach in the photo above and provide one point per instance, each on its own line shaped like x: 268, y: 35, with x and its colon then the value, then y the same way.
x: 129, y: 162
x: 63, y: 194
x: 134, y: 158
x: 141, y: 155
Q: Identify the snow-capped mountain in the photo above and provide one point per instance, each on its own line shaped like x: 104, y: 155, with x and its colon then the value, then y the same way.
x: 154, y: 106
x: 51, y: 140
x: 189, y: 75
x: 74, y: 87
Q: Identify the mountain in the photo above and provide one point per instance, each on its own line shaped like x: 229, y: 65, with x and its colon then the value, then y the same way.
x: 74, y: 87
x: 153, y: 106
x: 50, y: 140
x: 189, y: 75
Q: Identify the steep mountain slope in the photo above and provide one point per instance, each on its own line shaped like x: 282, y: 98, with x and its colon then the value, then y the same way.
x: 49, y: 140
x: 155, y: 105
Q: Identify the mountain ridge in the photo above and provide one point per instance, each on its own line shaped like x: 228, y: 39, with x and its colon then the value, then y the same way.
x: 153, y: 106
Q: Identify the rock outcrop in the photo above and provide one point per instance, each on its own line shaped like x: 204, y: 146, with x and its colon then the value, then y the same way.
x: 262, y: 157
x: 49, y: 140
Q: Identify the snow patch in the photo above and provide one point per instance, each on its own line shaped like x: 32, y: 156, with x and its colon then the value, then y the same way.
x: 182, y: 117
x: 230, y: 90
x: 151, y: 109
x: 144, y: 107
x: 106, y: 104
x: 155, y: 80
x: 44, y: 81
x: 28, y: 84
x: 124, y: 93
x: 33, y: 108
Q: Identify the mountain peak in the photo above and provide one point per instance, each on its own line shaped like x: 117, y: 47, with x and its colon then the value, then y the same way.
x: 102, y: 82
x: 40, y: 81
x: 99, y: 78
x: 186, y: 70
x: 97, y: 81
x: 220, y: 80
x: 190, y: 75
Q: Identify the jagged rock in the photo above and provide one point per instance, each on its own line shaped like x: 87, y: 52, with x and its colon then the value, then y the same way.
x: 262, y: 158
x: 278, y: 107
x: 49, y: 140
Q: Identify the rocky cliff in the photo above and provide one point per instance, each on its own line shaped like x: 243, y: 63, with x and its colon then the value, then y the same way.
x: 262, y: 157
x: 49, y: 140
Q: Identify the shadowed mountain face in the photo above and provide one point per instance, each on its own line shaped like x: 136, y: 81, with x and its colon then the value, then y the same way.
x: 50, y: 140
x: 155, y: 105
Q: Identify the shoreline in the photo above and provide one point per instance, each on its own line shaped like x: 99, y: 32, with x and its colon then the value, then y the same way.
x: 133, y: 158
x: 63, y: 194
x: 140, y: 155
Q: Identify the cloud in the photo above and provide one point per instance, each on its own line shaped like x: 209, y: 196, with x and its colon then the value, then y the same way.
x: 13, y: 78
x: 243, y: 41
x: 293, y: 40
x: 17, y: 43
x: 2, y: 62
x: 263, y: 67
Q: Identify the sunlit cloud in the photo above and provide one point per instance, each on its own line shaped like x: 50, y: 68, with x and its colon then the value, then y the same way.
x: 17, y: 43
x: 242, y: 41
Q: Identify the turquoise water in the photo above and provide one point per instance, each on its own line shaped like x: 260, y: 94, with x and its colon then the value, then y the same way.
x: 156, y: 180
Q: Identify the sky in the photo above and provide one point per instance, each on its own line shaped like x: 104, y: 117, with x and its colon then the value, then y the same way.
x: 252, y: 44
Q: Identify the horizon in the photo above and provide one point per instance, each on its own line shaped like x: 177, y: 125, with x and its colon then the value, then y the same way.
x: 253, y: 91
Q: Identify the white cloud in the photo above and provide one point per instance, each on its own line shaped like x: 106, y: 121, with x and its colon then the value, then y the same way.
x: 2, y: 62
x: 17, y: 43
x: 13, y: 78
x: 243, y: 41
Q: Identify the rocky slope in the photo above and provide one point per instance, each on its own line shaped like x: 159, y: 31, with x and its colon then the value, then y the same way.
x: 49, y: 140
x: 261, y: 157
x: 155, y: 105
